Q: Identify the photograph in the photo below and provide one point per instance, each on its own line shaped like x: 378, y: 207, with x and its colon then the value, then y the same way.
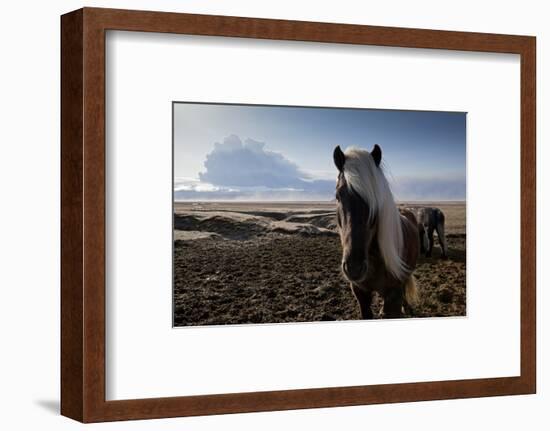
x: 286, y: 214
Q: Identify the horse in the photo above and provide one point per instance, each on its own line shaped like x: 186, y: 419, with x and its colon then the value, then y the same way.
x: 380, y: 246
x: 430, y: 219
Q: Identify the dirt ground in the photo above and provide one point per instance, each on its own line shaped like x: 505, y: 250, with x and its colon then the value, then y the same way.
x: 280, y: 262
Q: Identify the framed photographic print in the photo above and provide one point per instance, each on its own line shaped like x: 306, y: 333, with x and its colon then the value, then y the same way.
x: 266, y: 215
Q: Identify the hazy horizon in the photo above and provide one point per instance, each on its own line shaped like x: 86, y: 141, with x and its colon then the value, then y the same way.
x: 398, y: 202
x: 249, y: 153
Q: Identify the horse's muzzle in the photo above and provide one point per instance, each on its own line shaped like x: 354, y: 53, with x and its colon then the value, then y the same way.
x: 354, y: 271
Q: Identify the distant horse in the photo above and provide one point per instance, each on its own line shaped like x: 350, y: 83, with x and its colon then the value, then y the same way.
x: 380, y: 246
x: 430, y: 219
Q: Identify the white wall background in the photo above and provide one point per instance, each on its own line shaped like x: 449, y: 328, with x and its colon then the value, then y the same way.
x: 29, y: 214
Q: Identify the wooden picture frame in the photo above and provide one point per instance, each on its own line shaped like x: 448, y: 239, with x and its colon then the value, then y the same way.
x: 83, y: 214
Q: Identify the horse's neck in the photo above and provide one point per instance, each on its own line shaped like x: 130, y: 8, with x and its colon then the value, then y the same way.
x: 374, y: 249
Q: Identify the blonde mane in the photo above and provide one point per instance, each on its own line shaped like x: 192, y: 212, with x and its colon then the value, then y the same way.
x: 368, y: 180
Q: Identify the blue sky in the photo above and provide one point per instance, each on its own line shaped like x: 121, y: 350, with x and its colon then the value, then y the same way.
x: 237, y: 152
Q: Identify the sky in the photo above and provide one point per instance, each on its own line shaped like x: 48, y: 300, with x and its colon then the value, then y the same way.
x: 276, y: 153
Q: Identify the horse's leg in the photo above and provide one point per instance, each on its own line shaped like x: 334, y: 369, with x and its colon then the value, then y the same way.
x: 393, y: 303
x: 430, y: 241
x: 422, y: 238
x: 442, y: 241
x: 364, y: 298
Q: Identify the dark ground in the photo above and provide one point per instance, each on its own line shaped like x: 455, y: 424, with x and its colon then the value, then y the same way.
x: 252, y: 270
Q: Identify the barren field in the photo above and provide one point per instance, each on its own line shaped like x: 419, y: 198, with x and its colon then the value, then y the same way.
x: 237, y: 263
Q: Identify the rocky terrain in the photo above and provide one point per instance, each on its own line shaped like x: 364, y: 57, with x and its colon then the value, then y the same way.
x: 238, y: 263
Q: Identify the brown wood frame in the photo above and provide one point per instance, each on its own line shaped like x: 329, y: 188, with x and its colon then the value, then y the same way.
x: 83, y: 214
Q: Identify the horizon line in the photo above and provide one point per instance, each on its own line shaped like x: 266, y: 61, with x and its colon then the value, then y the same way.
x: 312, y: 201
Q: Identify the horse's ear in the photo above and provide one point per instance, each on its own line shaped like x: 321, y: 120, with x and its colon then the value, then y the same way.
x: 376, y: 154
x: 339, y: 158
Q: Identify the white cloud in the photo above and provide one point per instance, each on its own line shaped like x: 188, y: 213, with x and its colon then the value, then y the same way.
x: 235, y: 163
x: 237, y: 170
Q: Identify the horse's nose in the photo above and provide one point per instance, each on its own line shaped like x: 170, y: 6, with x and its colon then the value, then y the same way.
x: 354, y: 270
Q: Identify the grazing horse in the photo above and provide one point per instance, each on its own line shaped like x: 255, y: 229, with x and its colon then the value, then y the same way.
x: 430, y: 219
x: 379, y: 245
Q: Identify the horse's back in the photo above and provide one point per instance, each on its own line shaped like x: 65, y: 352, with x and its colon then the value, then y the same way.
x: 409, y: 215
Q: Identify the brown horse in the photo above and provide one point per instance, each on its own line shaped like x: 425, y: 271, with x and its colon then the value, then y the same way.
x: 380, y: 246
